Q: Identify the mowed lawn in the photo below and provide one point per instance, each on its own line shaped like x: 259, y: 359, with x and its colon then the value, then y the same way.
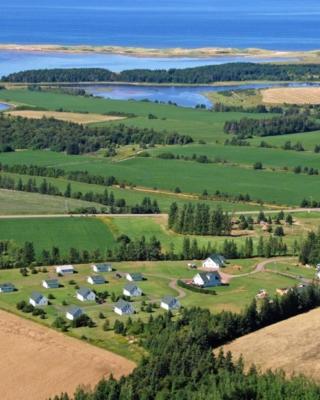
x: 64, y: 232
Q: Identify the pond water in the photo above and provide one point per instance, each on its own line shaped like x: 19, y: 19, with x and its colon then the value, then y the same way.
x: 4, y: 107
x: 185, y: 96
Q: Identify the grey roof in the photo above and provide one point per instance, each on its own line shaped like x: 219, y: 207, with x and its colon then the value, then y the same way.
x: 169, y: 300
x: 218, y: 258
x: 103, y: 266
x: 97, y: 279
x: 84, y: 291
x: 36, y: 296
x: 75, y: 311
x: 136, y: 276
x: 52, y: 282
x: 7, y: 285
x: 131, y: 287
x: 122, y: 304
x: 207, y: 276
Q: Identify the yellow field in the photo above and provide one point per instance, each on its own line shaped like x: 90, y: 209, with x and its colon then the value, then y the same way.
x: 78, y: 118
x: 302, y: 95
x: 292, y: 345
x: 37, y: 363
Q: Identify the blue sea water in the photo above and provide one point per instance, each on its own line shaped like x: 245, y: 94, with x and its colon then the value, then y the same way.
x: 272, y: 24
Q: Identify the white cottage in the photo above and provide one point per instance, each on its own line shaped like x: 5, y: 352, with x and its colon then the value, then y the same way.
x: 73, y: 313
x: 214, y: 262
x: 170, y: 303
x: 85, y: 294
x: 37, y: 300
x: 123, y: 307
x: 65, y: 269
x: 132, y: 290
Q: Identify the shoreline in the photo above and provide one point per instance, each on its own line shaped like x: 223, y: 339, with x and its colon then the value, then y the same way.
x: 204, y: 52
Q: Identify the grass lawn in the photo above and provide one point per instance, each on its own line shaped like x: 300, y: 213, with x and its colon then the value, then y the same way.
x: 158, y: 277
x: 78, y: 232
x: 292, y: 269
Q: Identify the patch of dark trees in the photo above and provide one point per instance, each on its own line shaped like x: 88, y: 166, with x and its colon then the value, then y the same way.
x: 49, y: 133
x: 283, y: 125
x: 310, y: 249
x: 204, y: 74
x: 181, y: 365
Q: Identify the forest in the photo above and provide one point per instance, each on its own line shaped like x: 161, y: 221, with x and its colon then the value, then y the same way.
x: 197, y: 75
x: 49, y: 133
x: 249, y: 127
x: 181, y: 366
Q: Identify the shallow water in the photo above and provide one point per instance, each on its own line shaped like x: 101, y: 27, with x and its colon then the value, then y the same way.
x: 4, y: 107
x: 185, y: 96
x: 15, y: 61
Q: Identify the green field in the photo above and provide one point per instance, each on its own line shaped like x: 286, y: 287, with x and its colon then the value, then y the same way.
x: 23, y: 203
x: 308, y: 139
x: 65, y: 232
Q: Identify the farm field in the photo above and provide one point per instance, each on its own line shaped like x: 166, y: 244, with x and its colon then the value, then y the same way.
x: 245, y: 98
x: 78, y: 232
x: 277, y: 187
x: 27, y: 347
x: 308, y: 139
x: 302, y: 95
x: 281, y: 346
x: 23, y: 203
x: 101, y: 232
x: 80, y: 118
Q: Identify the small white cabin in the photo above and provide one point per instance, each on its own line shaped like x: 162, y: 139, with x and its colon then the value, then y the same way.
x: 170, y: 303
x: 123, y: 307
x: 214, y: 262
x: 73, y: 313
x: 132, y: 290
x: 38, y: 300
x: 84, y: 294
x: 65, y: 269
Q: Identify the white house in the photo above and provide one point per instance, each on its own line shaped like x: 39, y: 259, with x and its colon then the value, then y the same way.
x: 214, y: 262
x: 50, y: 283
x: 132, y: 290
x: 64, y: 269
x: 96, y: 280
x: 207, y: 279
x: 73, y: 313
x: 169, y: 303
x: 84, y: 294
x: 38, y: 299
x: 134, y: 276
x: 103, y: 267
x: 318, y: 274
x: 123, y: 307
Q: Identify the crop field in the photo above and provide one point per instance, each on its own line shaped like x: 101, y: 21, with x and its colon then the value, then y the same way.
x: 245, y: 98
x: 79, y: 118
x: 302, y: 95
x: 23, y: 203
x: 291, y: 345
x: 308, y: 139
x: 27, y: 347
x: 78, y: 232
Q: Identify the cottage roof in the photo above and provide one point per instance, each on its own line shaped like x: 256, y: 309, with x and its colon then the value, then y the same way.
x: 84, y: 292
x: 97, y: 279
x: 36, y: 296
x: 136, y: 276
x: 74, y: 311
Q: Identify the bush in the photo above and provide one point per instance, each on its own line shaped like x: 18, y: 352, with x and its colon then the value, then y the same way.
x: 195, y: 289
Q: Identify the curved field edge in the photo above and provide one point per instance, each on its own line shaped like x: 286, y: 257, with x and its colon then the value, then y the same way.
x: 291, y: 345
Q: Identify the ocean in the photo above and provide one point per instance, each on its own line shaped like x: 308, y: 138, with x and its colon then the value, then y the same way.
x: 272, y: 24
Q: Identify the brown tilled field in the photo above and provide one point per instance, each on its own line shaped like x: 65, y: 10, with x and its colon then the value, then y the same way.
x: 302, y: 95
x: 79, y: 118
x: 37, y: 362
x: 292, y: 345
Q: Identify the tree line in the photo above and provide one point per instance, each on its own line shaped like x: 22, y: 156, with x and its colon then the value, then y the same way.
x: 310, y: 249
x: 61, y: 136
x: 199, y: 220
x: 180, y: 363
x: 283, y: 125
x: 203, y: 74
x: 111, y: 203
